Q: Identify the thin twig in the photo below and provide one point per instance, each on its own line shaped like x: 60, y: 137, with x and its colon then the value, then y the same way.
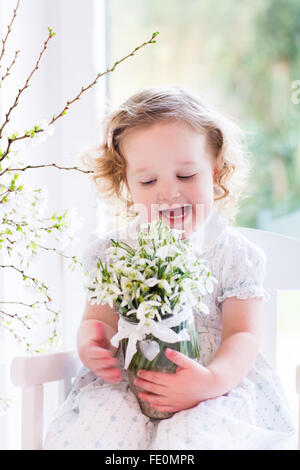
x: 4, y: 195
x: 25, y: 276
x: 83, y: 89
x: 58, y: 252
x: 47, y: 165
x: 22, y: 303
x: 20, y: 339
x: 15, y: 316
x: 9, y: 68
x: 24, y: 87
x: 8, y: 31
x: 11, y: 222
x: 20, y: 224
x: 43, y: 302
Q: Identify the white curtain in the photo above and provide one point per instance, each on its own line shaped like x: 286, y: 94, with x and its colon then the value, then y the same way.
x: 73, y: 58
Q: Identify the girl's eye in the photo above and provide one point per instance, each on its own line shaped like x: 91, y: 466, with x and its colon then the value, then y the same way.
x: 147, y: 182
x: 180, y: 177
x: 185, y: 177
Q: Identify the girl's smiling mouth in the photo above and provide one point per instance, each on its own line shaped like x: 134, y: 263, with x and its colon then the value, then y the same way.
x: 176, y: 214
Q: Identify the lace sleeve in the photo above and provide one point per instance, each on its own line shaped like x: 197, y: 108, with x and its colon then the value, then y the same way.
x: 243, y: 270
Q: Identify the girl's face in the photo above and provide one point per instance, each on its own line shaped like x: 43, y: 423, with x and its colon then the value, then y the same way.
x: 169, y: 166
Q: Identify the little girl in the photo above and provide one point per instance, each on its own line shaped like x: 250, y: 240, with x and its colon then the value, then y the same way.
x: 171, y: 153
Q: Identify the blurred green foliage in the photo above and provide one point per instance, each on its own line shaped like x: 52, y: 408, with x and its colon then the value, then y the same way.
x: 243, y: 57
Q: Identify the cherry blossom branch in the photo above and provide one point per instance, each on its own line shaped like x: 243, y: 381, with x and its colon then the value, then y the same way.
x: 9, y: 68
x: 20, y: 339
x: 77, y: 97
x: 112, y: 69
x: 4, y: 195
x: 59, y: 253
x: 38, y: 302
x: 14, y: 316
x: 8, y: 31
x: 50, y: 35
x: 43, y: 302
x: 43, y: 287
x: 43, y: 166
x: 74, y: 258
x: 18, y: 224
x: 10, y: 233
x: 22, y: 303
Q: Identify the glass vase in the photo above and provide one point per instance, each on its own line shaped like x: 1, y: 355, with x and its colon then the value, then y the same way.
x: 160, y: 363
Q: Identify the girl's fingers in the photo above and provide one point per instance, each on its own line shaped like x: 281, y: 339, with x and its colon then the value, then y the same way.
x: 110, y: 375
x: 106, y: 365
x: 157, y: 402
x: 101, y: 358
x: 99, y: 353
x: 99, y: 370
x: 151, y: 387
x: 153, y: 400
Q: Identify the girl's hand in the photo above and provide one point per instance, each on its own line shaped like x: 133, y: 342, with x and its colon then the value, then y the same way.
x: 191, y: 384
x: 98, y: 358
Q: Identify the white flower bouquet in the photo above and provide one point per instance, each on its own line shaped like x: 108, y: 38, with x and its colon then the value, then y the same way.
x: 154, y: 287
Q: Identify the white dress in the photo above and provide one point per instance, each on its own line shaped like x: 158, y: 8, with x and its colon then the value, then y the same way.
x: 253, y: 415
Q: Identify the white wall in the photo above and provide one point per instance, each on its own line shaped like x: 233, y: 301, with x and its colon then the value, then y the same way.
x: 73, y: 58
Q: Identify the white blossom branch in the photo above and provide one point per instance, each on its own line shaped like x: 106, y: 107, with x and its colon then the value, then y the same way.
x: 19, y: 338
x: 9, y: 68
x: 14, y: 316
x: 77, y: 97
x: 21, y: 90
x: 8, y: 31
x: 47, y: 165
x: 41, y: 286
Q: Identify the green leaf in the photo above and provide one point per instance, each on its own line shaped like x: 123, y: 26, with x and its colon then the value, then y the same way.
x: 51, y: 32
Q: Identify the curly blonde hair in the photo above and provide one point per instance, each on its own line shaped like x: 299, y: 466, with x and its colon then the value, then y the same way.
x: 157, y: 104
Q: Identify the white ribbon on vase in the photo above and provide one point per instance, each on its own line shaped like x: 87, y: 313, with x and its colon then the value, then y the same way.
x: 159, y: 329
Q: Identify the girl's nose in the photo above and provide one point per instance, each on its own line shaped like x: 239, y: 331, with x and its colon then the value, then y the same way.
x: 168, y: 192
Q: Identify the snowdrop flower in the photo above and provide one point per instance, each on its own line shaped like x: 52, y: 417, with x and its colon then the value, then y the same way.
x: 167, y: 251
x: 126, y: 284
x: 146, y: 311
x: 134, y: 279
x: 152, y: 282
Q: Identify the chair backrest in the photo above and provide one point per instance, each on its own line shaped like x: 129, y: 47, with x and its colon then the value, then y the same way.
x: 282, y: 273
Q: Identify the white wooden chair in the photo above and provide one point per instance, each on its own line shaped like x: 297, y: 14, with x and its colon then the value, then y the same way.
x: 31, y: 373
